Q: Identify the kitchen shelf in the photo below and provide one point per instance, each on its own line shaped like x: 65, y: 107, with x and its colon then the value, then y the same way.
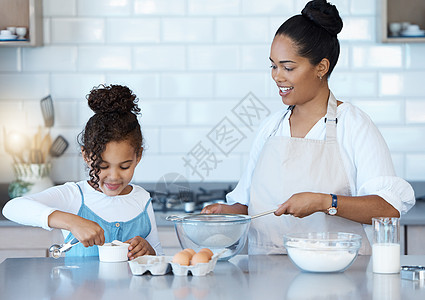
x: 400, y: 11
x: 23, y: 13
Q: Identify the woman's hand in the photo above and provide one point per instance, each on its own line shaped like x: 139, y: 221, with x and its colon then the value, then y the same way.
x: 139, y: 247
x: 89, y: 233
x: 304, y: 204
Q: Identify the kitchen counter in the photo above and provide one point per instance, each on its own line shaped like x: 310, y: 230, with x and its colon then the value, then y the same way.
x: 243, y: 277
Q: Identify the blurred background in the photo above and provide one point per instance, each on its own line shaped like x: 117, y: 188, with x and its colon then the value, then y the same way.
x: 195, y: 66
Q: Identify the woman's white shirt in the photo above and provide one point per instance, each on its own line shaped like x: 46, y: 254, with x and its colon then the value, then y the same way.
x: 366, y: 157
x: 34, y: 210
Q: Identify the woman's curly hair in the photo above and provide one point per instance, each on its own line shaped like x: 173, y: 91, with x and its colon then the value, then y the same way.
x: 115, y: 119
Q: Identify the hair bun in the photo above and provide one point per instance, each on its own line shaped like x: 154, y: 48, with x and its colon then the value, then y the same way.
x: 112, y: 98
x: 324, y: 15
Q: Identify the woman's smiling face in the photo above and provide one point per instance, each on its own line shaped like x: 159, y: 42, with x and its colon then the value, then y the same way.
x: 119, y: 160
x: 297, y: 79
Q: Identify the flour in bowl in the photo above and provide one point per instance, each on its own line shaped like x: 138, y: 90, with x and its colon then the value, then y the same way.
x: 315, y: 257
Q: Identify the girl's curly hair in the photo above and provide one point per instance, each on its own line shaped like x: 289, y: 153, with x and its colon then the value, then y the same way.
x: 115, y: 119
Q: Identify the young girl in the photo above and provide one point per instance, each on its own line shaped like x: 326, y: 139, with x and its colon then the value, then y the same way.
x: 106, y: 207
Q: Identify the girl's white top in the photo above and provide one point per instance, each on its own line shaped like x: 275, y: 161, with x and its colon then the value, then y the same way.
x: 35, y: 209
x: 365, y: 155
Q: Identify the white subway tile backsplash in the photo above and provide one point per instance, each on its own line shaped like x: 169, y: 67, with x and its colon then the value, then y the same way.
x: 411, y: 138
x: 255, y: 57
x: 55, y: 8
x: 358, y: 29
x: 23, y: 86
x: 213, y: 57
x: 216, y: 7
x: 415, y: 111
x: 226, y: 169
x: 362, y: 7
x: 67, y: 168
x: 12, y: 117
x: 154, y: 168
x: 98, y: 8
x: 159, y: 58
x: 208, y: 113
x: 382, y: 111
x: 415, y: 56
x: 9, y: 59
x: 272, y: 7
x: 242, y: 30
x: 104, y: 58
x: 181, y: 140
x: 353, y: 84
x: 406, y: 84
x: 187, y: 30
x: 54, y: 58
x: 159, y: 7
x: 371, y: 57
x: 66, y: 114
x: 415, y: 167
x: 74, y: 85
x: 143, y: 85
x: 151, y: 137
x: 190, y: 62
x: 133, y: 30
x: 187, y: 85
x: 77, y: 30
x: 342, y: 6
x: 164, y: 113
x: 238, y: 85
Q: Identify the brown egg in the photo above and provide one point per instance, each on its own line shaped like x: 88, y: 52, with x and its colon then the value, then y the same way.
x: 208, y: 251
x: 182, y: 258
x: 200, y: 258
x: 190, y: 251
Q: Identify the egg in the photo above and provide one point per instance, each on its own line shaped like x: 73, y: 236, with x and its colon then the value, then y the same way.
x: 182, y: 258
x: 200, y: 258
x: 208, y: 251
x: 190, y: 251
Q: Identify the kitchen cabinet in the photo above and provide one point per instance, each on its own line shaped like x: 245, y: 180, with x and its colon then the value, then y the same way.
x: 412, y: 11
x: 23, y: 13
x: 22, y: 241
x: 169, y: 241
x: 415, y: 243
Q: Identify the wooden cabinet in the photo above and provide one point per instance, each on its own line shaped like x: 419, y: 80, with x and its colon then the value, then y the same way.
x: 399, y: 11
x: 22, y: 241
x: 23, y: 13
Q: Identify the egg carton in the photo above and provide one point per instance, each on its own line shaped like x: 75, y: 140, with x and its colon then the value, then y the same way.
x: 161, y: 265
x: 156, y: 265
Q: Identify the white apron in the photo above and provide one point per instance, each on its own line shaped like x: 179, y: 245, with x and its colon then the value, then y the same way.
x: 289, y: 165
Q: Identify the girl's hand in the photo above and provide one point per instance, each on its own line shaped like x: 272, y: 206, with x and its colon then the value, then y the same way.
x: 139, y: 247
x: 89, y: 233
x: 304, y: 204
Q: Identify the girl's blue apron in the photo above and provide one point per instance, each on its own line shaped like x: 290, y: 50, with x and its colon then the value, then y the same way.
x: 122, y: 231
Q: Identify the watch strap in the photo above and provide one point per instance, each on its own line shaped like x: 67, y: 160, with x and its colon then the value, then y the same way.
x: 334, y: 201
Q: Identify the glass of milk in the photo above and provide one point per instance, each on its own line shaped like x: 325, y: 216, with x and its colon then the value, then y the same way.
x: 386, y: 245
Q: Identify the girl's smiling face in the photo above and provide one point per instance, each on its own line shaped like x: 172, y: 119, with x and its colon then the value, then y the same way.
x: 297, y: 79
x: 119, y: 160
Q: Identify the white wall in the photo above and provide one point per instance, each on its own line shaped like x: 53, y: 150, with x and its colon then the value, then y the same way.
x: 191, y: 62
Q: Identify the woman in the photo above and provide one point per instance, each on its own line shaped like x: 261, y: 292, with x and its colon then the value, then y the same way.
x: 321, y: 163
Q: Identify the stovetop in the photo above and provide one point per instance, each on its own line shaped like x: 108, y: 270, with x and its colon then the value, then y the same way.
x: 185, y: 198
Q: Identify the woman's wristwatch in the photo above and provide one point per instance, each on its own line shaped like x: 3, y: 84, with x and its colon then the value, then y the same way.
x: 334, y: 207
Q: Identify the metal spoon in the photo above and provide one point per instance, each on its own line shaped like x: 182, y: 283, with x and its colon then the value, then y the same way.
x: 57, y: 250
x: 263, y: 214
